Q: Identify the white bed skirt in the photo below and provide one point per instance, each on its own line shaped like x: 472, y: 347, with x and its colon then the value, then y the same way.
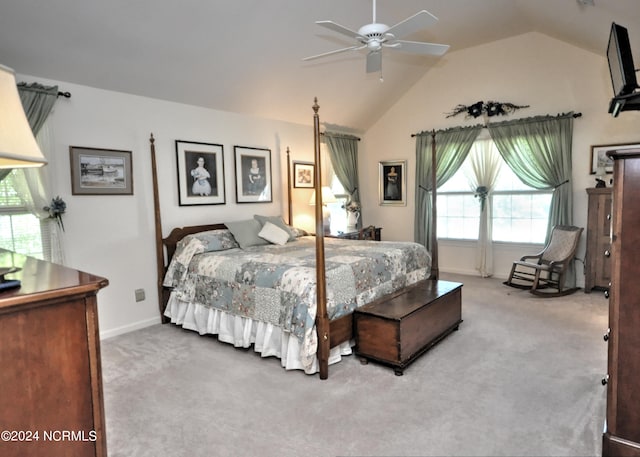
x: 267, y: 339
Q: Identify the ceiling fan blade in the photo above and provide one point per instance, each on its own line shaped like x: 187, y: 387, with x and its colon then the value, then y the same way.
x: 341, y: 29
x: 420, y: 20
x: 336, y: 51
x: 419, y: 47
x: 374, y: 61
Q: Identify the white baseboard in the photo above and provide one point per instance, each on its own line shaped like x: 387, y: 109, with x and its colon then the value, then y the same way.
x: 460, y: 271
x: 129, y: 328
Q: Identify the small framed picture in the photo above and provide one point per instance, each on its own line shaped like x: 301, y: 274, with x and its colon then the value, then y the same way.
x: 97, y: 171
x: 253, y: 174
x: 392, y: 183
x: 303, y: 175
x: 200, y: 173
x: 599, y: 158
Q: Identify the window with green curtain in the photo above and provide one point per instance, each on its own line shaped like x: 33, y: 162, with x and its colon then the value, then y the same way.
x: 520, y: 212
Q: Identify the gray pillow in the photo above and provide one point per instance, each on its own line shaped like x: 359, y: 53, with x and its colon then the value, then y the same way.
x: 278, y: 222
x: 246, y: 232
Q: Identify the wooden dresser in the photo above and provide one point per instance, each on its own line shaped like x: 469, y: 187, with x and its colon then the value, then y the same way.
x: 598, y: 258
x: 51, y: 400
x: 622, y: 429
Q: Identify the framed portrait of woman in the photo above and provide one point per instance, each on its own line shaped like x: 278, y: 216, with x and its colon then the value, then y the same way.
x: 253, y: 174
x: 392, y: 183
x: 200, y: 173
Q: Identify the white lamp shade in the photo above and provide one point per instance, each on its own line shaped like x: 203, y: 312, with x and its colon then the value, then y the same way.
x: 18, y: 147
x: 327, y: 196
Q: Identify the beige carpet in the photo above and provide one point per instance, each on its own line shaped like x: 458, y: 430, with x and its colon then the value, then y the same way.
x: 521, y: 377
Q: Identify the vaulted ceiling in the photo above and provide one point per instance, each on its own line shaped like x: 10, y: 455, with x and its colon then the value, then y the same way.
x: 245, y: 56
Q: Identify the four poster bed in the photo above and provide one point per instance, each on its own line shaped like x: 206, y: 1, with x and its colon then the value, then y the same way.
x: 221, y: 279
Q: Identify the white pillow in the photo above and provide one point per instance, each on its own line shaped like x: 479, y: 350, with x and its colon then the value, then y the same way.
x: 274, y: 234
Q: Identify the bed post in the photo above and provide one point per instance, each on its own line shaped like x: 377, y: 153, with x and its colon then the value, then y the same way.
x: 159, y: 246
x: 322, y: 319
x: 434, y: 211
x: 290, y: 213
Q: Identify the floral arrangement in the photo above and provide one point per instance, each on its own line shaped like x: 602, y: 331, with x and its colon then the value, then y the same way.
x: 56, y: 209
x: 490, y: 109
x: 352, y: 207
x: 481, y: 192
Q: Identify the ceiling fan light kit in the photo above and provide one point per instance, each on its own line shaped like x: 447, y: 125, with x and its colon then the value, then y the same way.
x: 376, y: 36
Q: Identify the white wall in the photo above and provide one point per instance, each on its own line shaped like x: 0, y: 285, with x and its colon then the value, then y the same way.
x: 531, y: 69
x: 114, y: 236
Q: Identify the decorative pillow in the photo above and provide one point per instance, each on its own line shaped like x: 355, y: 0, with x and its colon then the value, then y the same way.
x: 274, y: 234
x: 298, y: 232
x: 278, y: 222
x: 246, y: 233
x: 216, y: 240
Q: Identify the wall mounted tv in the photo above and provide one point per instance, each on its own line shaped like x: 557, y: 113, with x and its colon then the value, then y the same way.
x: 622, y: 71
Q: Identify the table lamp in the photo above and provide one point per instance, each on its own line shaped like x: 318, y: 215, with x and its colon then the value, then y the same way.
x: 18, y: 146
x: 327, y: 197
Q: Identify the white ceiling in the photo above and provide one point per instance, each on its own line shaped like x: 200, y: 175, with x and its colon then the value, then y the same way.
x: 246, y: 55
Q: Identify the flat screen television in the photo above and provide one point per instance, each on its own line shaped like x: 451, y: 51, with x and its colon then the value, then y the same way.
x: 623, y: 72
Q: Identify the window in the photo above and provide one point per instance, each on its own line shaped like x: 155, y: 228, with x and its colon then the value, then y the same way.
x: 20, y: 230
x: 329, y: 178
x: 520, y: 213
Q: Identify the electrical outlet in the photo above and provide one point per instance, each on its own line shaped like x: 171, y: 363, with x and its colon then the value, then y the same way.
x: 140, y: 294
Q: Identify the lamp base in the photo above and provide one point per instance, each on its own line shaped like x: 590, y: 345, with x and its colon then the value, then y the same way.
x: 326, y: 219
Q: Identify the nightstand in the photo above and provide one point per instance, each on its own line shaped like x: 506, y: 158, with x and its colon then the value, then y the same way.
x: 352, y: 234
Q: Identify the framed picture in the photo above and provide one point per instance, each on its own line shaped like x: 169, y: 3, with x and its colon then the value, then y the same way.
x: 100, y: 171
x: 392, y: 183
x: 599, y: 155
x: 303, y: 175
x: 200, y: 173
x: 253, y: 174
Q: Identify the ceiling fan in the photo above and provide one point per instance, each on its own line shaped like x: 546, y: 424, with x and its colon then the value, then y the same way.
x: 375, y: 36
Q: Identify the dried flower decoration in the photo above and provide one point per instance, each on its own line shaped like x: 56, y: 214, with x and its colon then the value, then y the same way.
x: 56, y: 209
x: 490, y: 109
x: 353, y: 206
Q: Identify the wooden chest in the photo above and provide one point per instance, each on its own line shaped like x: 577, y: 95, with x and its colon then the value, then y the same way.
x: 396, y: 330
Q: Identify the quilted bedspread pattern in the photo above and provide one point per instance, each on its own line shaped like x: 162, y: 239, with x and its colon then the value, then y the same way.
x: 277, y: 284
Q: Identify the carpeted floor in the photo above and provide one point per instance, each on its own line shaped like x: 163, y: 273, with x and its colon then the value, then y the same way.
x: 520, y: 378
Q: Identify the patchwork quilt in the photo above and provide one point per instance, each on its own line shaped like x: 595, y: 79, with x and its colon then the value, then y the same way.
x: 277, y: 284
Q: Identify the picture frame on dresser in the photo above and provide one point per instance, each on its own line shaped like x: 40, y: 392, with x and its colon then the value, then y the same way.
x: 200, y: 168
x: 97, y: 171
x: 599, y: 158
x: 253, y: 174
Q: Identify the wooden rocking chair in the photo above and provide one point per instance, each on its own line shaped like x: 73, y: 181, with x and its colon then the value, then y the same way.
x: 548, y: 268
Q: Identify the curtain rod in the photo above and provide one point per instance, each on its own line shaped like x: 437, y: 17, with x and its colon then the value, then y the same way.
x: 342, y: 136
x: 37, y: 87
x: 575, y: 115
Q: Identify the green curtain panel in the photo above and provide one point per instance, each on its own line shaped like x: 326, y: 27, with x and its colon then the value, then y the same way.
x: 538, y: 150
x: 452, y: 148
x: 343, y: 150
x: 38, y: 101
